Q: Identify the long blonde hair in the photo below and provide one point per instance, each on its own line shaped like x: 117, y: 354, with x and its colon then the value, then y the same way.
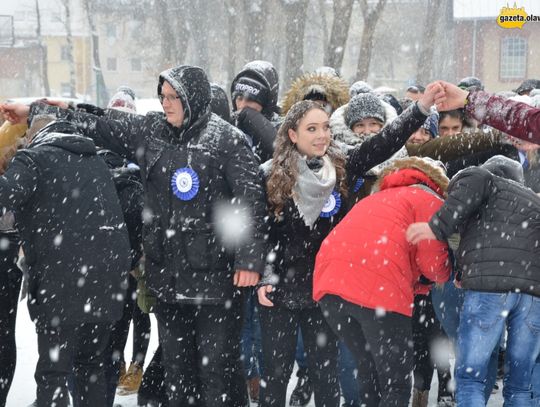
x: 284, y: 171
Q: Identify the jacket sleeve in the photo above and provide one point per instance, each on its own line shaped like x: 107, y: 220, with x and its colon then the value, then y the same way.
x: 515, y: 118
x: 450, y: 148
x: 19, y: 182
x: 246, y: 183
x: 382, y: 146
x: 119, y: 136
x: 260, y: 129
x: 431, y: 255
x: 466, y: 193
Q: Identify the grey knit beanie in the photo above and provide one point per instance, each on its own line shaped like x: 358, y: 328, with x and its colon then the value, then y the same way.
x: 362, y: 106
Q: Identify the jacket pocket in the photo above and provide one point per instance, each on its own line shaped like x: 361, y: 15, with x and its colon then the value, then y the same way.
x: 204, y: 252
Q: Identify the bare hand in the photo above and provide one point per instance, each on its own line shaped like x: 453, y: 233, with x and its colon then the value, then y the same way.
x: 58, y: 103
x: 244, y: 278
x: 452, y: 98
x: 263, y: 299
x: 15, y: 113
x: 417, y: 232
x: 428, y: 97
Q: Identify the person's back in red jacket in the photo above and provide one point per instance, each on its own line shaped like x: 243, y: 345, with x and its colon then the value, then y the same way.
x: 366, y: 259
x: 366, y: 275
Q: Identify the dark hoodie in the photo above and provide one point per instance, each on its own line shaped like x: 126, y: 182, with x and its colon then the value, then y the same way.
x: 71, y: 226
x: 264, y: 72
x: 185, y: 256
x: 499, y: 222
x: 261, y: 128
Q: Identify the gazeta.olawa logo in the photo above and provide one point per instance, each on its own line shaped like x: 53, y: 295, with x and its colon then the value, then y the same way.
x: 514, y: 17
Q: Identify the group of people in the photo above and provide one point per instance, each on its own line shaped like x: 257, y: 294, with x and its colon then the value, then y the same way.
x: 342, y: 204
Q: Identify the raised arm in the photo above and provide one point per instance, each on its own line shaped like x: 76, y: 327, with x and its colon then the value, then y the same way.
x: 120, y: 136
x: 382, y: 146
x: 515, y: 118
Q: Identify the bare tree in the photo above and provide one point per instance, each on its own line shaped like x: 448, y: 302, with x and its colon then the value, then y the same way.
x: 295, y: 11
x: 43, y: 53
x: 371, y: 16
x: 199, y: 32
x: 69, y: 48
x: 102, y: 95
x: 255, y: 23
x: 340, y: 31
x: 324, y: 24
x: 424, y: 68
x: 166, y: 33
x: 176, y: 34
x: 232, y: 7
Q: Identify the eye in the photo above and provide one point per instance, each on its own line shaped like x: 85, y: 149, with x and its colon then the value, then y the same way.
x: 311, y: 128
x: 326, y: 127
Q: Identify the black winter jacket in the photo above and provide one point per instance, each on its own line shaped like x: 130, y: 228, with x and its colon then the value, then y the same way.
x: 71, y: 227
x: 499, y: 222
x: 185, y: 256
x: 296, y: 245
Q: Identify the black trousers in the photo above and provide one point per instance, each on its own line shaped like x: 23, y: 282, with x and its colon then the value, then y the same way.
x: 118, y: 338
x: 279, y: 326
x: 382, y: 346
x: 10, y: 284
x: 77, y: 350
x: 427, y: 330
x: 141, y: 327
x: 201, y: 352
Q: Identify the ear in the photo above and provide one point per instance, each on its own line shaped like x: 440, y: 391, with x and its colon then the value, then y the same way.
x: 293, y: 136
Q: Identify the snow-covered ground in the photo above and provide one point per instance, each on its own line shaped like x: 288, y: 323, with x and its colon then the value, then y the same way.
x: 23, y: 390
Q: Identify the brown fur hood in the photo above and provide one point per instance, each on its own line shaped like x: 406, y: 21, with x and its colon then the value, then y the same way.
x: 335, y: 89
x: 431, y: 168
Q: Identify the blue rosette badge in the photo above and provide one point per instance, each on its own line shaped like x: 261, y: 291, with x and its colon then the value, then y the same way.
x: 332, y: 205
x: 185, y: 183
x: 358, y: 184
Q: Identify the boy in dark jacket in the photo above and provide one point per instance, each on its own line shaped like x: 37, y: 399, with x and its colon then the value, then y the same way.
x: 77, y: 252
x: 499, y: 266
x: 254, y: 94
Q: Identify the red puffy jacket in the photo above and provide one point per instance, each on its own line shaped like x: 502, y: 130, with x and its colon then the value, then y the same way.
x: 366, y: 259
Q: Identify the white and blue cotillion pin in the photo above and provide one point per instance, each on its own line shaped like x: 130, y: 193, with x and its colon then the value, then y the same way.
x: 185, y: 183
x: 332, y: 205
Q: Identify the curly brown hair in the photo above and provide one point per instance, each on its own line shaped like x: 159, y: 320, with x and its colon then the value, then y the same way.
x: 284, y: 170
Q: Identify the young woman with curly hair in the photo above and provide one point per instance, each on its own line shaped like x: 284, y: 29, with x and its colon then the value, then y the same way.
x: 307, y: 182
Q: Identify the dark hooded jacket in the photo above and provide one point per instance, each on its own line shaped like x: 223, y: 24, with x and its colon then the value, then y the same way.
x: 265, y: 73
x: 499, y: 222
x: 185, y: 257
x: 71, y: 227
x: 261, y: 128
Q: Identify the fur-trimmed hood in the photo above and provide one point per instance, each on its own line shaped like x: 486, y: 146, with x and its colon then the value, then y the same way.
x: 414, y: 170
x: 335, y: 89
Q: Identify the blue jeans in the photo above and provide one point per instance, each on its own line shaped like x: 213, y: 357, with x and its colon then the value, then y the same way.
x: 447, y: 303
x: 300, y: 355
x: 482, y: 323
x: 348, y: 377
x: 251, y: 337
